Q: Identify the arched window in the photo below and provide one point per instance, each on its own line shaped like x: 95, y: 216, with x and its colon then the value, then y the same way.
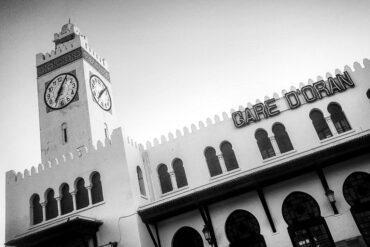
x: 320, y: 125
x: 306, y: 227
x: 187, y: 237
x: 356, y: 191
x: 96, y: 188
x: 243, y: 229
x: 282, y: 138
x: 82, y: 196
x: 51, y: 207
x: 164, y: 178
x: 66, y: 201
x: 264, y: 144
x: 140, y: 179
x: 36, y: 209
x: 179, y: 171
x: 213, y: 163
x: 368, y: 93
x: 106, y: 131
x: 229, y: 156
x: 64, y: 133
x: 339, y: 119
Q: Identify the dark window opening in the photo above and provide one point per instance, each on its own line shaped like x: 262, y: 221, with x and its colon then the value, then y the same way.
x: 187, y: 237
x: 264, y: 144
x: 140, y: 179
x: 51, y: 207
x: 320, y: 124
x: 66, y: 201
x: 164, y: 178
x: 36, y: 209
x: 368, y: 93
x: 179, y: 171
x: 282, y: 138
x: 64, y: 133
x: 82, y: 195
x: 213, y: 163
x: 339, y: 119
x: 96, y: 188
x: 229, y: 156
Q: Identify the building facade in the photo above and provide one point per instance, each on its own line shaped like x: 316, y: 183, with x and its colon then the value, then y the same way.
x: 292, y: 170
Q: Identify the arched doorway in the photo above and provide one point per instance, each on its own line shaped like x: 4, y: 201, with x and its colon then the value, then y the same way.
x: 306, y: 227
x: 242, y: 229
x: 187, y: 237
x: 356, y: 191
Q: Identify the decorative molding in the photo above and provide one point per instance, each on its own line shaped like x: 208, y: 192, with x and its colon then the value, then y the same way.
x: 69, y: 58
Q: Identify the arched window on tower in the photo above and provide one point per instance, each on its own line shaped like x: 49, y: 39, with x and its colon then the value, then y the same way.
x: 140, y: 179
x: 264, y: 144
x: 282, y: 138
x: 179, y: 171
x: 213, y: 163
x: 106, y: 131
x: 51, y: 207
x: 96, y: 188
x: 229, y: 156
x: 35, y: 209
x: 164, y: 178
x: 66, y: 201
x: 320, y: 125
x: 339, y: 119
x: 64, y: 133
x: 82, y: 196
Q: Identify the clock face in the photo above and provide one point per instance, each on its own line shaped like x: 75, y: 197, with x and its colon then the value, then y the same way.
x: 100, y: 93
x: 61, y: 91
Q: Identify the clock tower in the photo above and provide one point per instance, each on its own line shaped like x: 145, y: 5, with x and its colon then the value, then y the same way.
x: 74, y: 95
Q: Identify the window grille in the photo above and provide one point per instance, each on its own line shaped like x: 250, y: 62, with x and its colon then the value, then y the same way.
x: 213, y: 163
x: 229, y: 156
x: 164, y: 178
x: 179, y: 171
x: 320, y: 125
x: 264, y: 144
x: 339, y: 119
x: 282, y: 138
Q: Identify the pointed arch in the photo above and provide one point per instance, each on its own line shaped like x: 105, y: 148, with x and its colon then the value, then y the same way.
x: 164, y: 178
x: 229, y: 156
x: 51, y: 207
x: 140, y: 179
x: 66, y: 200
x: 82, y: 195
x: 213, y: 163
x: 282, y: 137
x: 96, y: 188
x: 339, y: 119
x: 264, y: 144
x: 35, y: 209
x: 179, y: 171
x: 320, y: 124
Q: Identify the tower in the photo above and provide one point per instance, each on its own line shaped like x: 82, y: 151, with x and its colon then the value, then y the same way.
x: 74, y: 95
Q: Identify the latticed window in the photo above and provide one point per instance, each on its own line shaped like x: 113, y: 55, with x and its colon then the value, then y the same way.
x: 213, y: 163
x: 320, y: 125
x: 36, y: 209
x: 179, y: 171
x: 282, y: 138
x: 164, y: 178
x: 82, y: 196
x: 306, y: 227
x: 229, y: 156
x: 140, y: 179
x: 264, y: 144
x: 66, y: 201
x: 51, y: 207
x: 339, y: 119
x: 96, y: 188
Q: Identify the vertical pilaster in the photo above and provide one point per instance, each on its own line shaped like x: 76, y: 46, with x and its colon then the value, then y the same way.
x: 89, y: 193
x: 173, y: 179
x: 275, y: 145
x: 222, y: 162
x: 43, y: 205
x: 59, y: 205
x: 330, y: 123
x: 73, y: 193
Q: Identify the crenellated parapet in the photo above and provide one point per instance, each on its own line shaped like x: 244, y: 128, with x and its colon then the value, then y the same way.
x: 68, y: 160
x: 277, y: 98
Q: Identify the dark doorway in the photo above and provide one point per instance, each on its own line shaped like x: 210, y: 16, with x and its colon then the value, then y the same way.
x: 187, y: 237
x: 243, y: 229
x: 306, y: 227
x: 356, y: 191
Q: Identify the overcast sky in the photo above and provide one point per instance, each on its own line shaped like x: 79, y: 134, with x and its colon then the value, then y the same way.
x: 173, y: 62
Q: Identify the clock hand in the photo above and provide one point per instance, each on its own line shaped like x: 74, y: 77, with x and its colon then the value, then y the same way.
x: 101, y: 92
x: 60, y: 90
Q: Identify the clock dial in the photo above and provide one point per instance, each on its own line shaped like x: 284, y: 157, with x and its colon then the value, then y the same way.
x: 100, y: 93
x: 61, y: 91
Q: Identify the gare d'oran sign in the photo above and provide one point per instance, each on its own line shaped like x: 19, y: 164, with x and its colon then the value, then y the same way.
x: 294, y: 99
